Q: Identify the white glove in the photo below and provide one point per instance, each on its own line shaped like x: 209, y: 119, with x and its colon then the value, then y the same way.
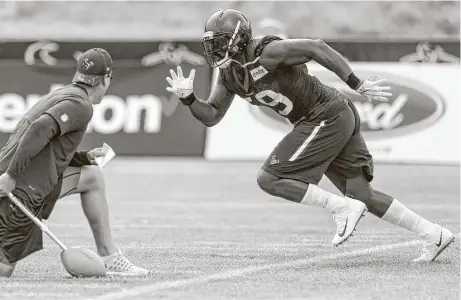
x: 371, y: 89
x: 180, y: 86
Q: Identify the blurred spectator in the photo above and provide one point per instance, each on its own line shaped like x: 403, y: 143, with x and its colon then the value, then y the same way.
x: 425, y: 53
x: 270, y: 27
x: 416, y: 20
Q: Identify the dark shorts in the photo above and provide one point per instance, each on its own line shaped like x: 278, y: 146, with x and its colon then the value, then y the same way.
x: 19, y: 236
x: 334, y: 147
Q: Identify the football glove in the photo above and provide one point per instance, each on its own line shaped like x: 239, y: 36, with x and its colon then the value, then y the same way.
x: 371, y: 88
x: 180, y: 86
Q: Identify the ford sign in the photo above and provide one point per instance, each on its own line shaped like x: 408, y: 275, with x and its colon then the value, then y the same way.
x: 412, y: 107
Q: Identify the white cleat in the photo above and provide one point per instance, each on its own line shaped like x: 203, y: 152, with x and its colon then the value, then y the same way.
x: 117, y: 264
x: 346, y: 219
x: 435, y: 242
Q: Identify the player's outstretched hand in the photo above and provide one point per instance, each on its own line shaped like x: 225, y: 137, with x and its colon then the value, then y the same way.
x: 95, y: 153
x: 180, y: 86
x: 373, y: 90
x: 7, y: 184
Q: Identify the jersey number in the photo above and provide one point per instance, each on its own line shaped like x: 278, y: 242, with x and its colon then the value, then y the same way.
x: 277, y: 101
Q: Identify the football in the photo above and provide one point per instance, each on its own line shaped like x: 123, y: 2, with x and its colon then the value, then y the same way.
x: 80, y: 262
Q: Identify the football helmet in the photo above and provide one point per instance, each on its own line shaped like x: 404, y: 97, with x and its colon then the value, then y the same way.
x: 227, y: 32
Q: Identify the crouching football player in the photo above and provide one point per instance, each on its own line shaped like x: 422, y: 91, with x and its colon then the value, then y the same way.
x: 326, y: 136
x: 39, y: 164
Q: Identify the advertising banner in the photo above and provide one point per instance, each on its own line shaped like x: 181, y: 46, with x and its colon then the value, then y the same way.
x: 419, y: 124
x: 136, y: 117
x: 431, y: 51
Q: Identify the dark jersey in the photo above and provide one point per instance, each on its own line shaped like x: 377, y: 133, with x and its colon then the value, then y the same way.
x: 72, y: 110
x: 290, y: 91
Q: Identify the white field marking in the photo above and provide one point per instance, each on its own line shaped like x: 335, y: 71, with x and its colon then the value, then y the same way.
x: 209, y: 226
x: 192, y: 225
x: 185, y: 226
x: 34, y: 295
x: 218, y: 227
x: 207, y: 205
x: 234, y: 246
x: 236, y: 251
x: 225, y: 245
x: 152, y: 288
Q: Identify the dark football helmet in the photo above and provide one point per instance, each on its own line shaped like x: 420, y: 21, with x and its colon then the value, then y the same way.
x: 227, y: 32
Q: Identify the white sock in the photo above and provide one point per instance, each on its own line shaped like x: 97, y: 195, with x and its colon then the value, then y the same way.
x: 321, y: 198
x: 400, y: 215
x: 109, y: 256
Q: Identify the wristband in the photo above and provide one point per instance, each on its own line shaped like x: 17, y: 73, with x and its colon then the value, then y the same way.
x: 353, y: 81
x: 80, y: 159
x: 189, y: 99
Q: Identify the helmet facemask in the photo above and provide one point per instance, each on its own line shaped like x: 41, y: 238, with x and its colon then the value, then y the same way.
x: 220, y: 47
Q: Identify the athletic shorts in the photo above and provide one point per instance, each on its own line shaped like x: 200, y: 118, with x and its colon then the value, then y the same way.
x: 19, y: 236
x: 334, y: 147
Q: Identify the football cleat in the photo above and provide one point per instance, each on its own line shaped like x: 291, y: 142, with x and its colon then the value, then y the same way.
x: 117, y: 264
x: 346, y: 218
x: 434, y: 243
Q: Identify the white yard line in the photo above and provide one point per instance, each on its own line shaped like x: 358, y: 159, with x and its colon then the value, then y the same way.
x: 152, y: 288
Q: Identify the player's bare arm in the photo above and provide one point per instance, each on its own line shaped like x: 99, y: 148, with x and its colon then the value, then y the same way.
x: 291, y: 52
x: 210, y: 111
x: 299, y: 51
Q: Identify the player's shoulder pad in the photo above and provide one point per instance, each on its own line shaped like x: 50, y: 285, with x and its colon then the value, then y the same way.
x: 263, y: 42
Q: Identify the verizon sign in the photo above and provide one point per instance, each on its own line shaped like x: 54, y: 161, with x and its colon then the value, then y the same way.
x: 136, y: 117
x: 112, y: 115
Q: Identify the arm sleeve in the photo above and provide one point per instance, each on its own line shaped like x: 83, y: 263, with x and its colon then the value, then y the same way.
x: 70, y: 115
x: 64, y: 117
x: 37, y: 136
x: 263, y: 43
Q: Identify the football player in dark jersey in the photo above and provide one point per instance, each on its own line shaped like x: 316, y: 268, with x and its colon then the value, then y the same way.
x: 39, y: 164
x: 326, y: 136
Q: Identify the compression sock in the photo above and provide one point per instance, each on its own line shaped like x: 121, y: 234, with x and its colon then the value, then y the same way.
x: 398, y: 214
x: 321, y: 198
